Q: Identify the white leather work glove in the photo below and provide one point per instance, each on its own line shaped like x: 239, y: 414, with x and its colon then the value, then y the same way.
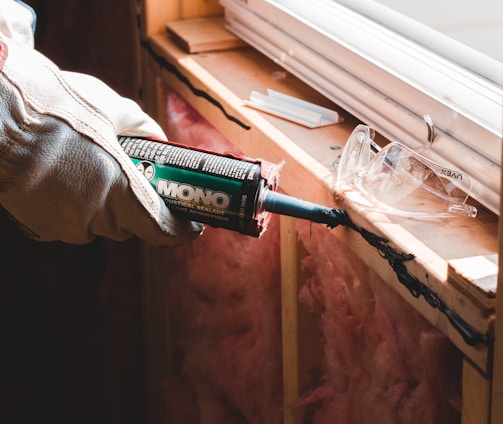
x: 17, y: 22
x: 63, y: 174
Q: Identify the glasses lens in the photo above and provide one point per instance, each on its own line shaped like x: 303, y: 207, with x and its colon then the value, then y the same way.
x: 402, y: 179
x: 355, y: 156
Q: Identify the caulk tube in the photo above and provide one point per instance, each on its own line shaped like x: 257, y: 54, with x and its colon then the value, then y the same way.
x: 220, y: 190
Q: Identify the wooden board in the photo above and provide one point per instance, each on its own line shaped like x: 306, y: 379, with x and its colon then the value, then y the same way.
x: 477, y: 277
x: 202, y: 35
x: 476, y: 395
x: 289, y: 311
x: 153, y: 14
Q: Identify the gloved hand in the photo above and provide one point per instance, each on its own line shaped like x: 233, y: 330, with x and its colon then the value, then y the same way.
x: 17, y: 22
x: 63, y: 175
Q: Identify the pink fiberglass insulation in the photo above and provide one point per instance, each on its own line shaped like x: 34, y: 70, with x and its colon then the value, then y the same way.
x: 223, y: 293
x: 383, y: 362
x: 224, y: 296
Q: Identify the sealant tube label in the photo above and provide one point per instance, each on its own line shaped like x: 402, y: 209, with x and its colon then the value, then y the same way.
x: 202, y: 186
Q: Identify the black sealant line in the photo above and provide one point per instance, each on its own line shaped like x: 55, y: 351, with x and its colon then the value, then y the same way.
x: 165, y: 64
x: 286, y: 205
x: 395, y: 258
x: 397, y: 261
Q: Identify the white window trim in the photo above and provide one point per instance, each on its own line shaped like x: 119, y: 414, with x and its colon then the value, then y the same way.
x: 366, y: 69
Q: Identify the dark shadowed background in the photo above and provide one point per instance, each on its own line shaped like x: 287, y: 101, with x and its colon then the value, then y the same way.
x: 70, y: 318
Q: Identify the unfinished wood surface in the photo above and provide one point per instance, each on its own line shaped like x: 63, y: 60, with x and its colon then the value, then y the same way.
x: 497, y: 371
x: 476, y: 396
x: 289, y: 313
x: 202, y: 35
x: 216, y: 84
x: 302, y: 343
x: 154, y: 14
x: 477, y: 276
x: 195, y: 8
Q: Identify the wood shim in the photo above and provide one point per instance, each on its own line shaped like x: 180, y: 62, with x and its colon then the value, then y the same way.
x: 202, y: 35
x: 476, y: 276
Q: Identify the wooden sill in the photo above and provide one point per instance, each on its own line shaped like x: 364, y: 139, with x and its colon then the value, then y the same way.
x: 227, y: 77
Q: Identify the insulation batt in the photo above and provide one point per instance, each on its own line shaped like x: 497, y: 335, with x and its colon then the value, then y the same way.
x: 381, y: 361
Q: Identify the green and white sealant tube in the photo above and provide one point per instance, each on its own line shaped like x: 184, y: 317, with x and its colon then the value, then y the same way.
x: 220, y: 190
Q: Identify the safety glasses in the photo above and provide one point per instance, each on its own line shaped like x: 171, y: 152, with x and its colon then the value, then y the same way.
x: 399, y: 181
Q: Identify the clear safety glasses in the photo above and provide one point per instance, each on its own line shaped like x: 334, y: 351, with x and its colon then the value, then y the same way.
x: 399, y: 181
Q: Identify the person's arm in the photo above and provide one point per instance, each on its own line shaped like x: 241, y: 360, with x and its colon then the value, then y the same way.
x: 63, y: 175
